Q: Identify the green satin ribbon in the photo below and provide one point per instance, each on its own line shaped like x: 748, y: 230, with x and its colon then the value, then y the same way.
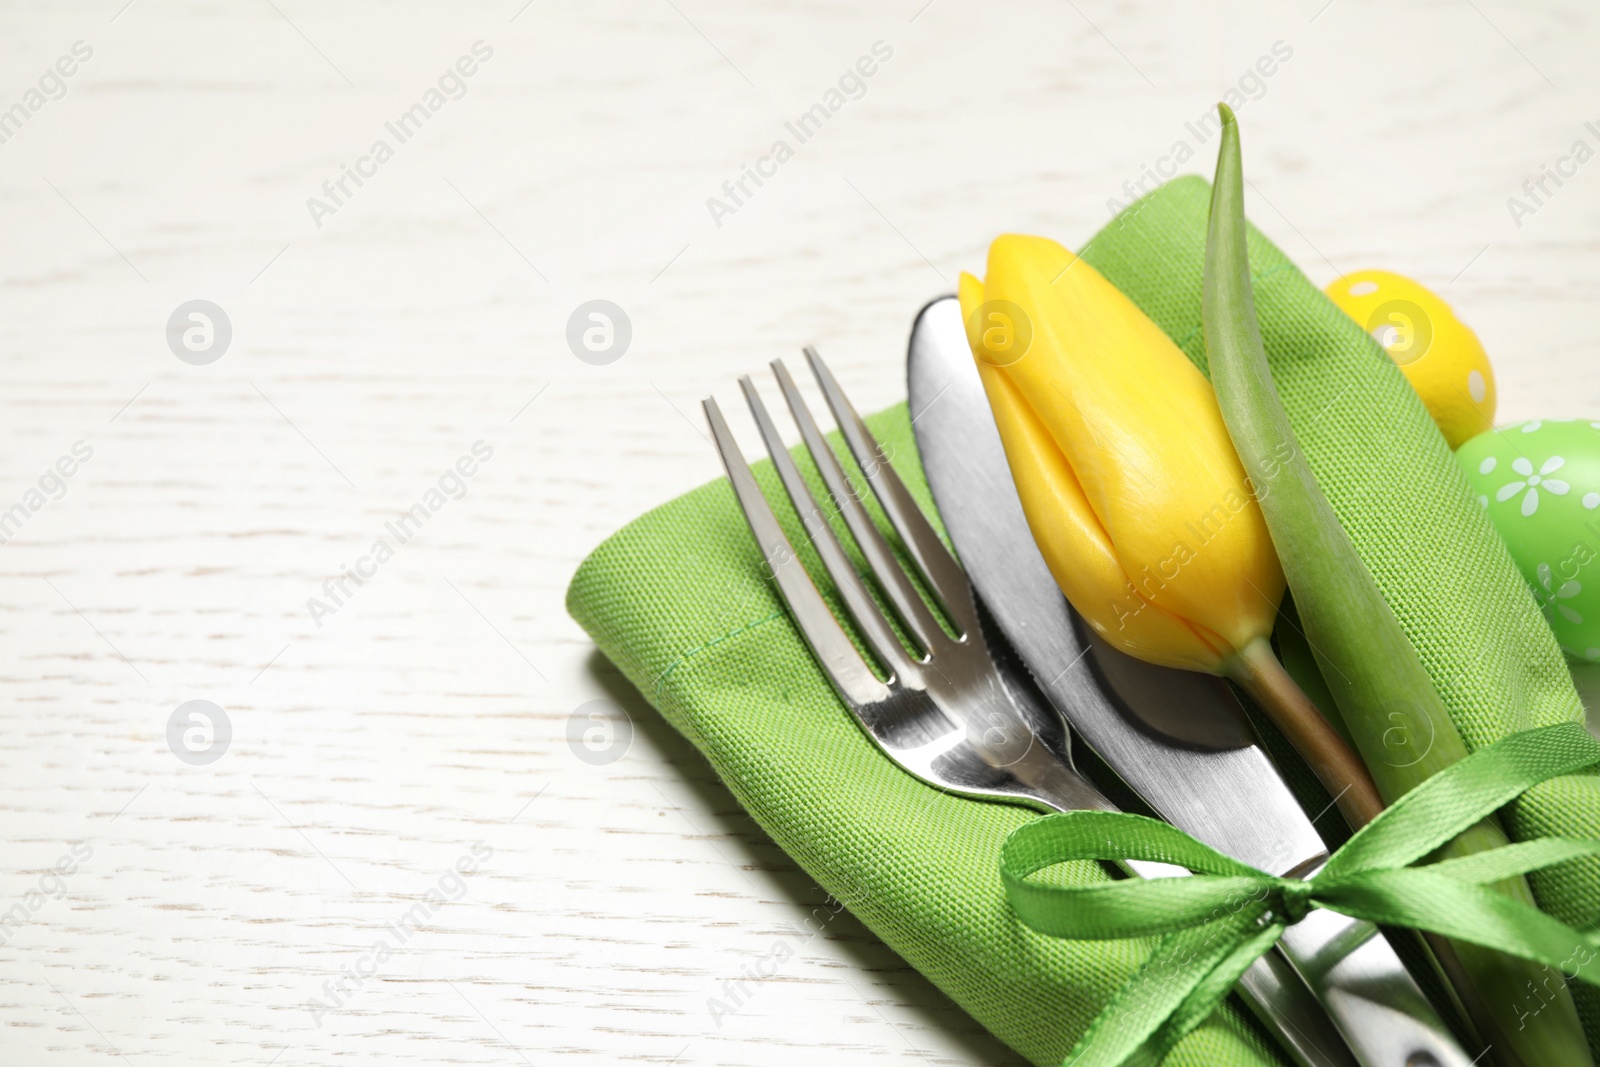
x: 1214, y: 925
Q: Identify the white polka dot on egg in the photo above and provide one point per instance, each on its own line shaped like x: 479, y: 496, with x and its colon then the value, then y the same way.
x: 1591, y: 500
x: 1488, y: 465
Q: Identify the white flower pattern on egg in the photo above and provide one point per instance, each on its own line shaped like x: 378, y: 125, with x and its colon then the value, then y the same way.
x: 1531, y: 481
x: 1542, y: 483
x: 1552, y: 597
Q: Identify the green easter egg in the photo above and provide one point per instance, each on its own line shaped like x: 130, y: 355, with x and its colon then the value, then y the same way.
x: 1540, y: 484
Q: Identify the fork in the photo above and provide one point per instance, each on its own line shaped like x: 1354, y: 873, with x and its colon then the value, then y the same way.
x: 945, y: 712
x: 943, y: 715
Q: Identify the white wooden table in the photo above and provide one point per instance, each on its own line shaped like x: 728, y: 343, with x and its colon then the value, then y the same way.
x: 421, y: 721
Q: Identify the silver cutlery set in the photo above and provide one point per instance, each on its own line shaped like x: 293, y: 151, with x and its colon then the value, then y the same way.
x: 987, y: 704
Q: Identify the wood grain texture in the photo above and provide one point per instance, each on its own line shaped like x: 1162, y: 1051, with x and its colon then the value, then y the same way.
x: 428, y: 312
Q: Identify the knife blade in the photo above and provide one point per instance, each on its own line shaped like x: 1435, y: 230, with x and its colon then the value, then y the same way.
x: 1228, y: 795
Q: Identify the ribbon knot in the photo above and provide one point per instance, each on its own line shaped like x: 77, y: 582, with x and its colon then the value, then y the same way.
x: 1213, y: 926
x: 1291, y: 900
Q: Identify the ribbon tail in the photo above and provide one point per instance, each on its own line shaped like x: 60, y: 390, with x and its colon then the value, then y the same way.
x: 1461, y: 794
x: 1211, y: 992
x: 1190, y: 973
x: 1419, y: 898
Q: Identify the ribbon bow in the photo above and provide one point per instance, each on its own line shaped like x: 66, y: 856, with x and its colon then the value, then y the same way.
x: 1215, y: 925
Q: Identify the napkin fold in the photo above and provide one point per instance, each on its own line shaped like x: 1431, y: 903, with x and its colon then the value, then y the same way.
x: 677, y: 600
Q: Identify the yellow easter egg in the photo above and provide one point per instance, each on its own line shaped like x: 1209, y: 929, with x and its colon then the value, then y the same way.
x: 1438, y: 353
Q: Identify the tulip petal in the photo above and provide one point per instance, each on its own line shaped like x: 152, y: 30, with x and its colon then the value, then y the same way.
x: 1075, y: 545
x: 1139, y: 428
x: 969, y: 291
x: 1070, y: 537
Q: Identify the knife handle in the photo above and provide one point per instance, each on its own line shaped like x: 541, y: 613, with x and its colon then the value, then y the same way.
x: 1369, y: 994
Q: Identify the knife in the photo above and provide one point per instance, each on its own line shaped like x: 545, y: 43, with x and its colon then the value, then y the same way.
x: 1220, y: 787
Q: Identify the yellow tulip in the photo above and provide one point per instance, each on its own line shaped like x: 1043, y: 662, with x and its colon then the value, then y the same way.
x: 1130, y: 483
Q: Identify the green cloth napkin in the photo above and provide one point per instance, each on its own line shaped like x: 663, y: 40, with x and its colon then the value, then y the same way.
x: 677, y: 600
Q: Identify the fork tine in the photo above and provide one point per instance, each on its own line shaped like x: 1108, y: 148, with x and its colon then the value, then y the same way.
x: 832, y: 648
x: 891, y: 576
x: 880, y: 637
x: 939, y: 568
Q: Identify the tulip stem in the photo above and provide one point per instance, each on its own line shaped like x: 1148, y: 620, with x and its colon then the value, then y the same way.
x: 1257, y: 671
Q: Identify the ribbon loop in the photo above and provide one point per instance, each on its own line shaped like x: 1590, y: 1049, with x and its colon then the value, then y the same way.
x: 1217, y: 923
x: 1464, y: 793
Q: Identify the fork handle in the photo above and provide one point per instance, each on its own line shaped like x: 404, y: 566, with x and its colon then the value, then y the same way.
x: 1376, y: 1009
x: 1353, y: 970
x: 1272, y: 989
x: 1279, y: 999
